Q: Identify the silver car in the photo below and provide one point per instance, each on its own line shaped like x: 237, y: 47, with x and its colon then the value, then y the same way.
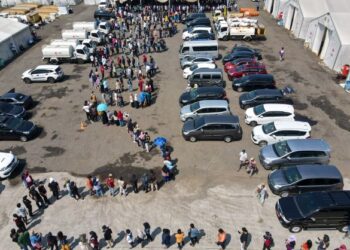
x: 205, y: 107
x: 188, y: 61
x: 293, y: 152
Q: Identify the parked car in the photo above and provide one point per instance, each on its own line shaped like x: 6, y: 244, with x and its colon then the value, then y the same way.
x: 241, y: 47
x: 240, y: 61
x: 248, y: 82
x: 193, y: 16
x: 8, y: 163
x: 203, y: 36
x: 12, y: 110
x: 186, y: 35
x: 256, y: 78
x: 305, y: 178
x: 190, y: 60
x: 266, y: 113
x: 16, y: 98
x: 203, y: 93
x: 220, y: 127
x: 207, y: 77
x: 12, y: 128
x: 199, y: 21
x: 273, y: 132
x: 188, y: 71
x: 294, y: 152
x: 205, y: 107
x: 315, y: 210
x: 261, y: 96
x: 43, y: 73
x: 236, y: 55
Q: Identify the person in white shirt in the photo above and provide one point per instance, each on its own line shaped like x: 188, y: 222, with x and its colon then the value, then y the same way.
x: 243, y: 157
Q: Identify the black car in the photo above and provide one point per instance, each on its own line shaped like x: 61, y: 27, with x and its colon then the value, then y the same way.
x: 319, y: 210
x: 239, y: 47
x: 193, y: 16
x: 261, y: 96
x: 203, y: 36
x: 202, y: 93
x: 11, y: 110
x: 12, y: 128
x: 237, y: 54
x: 103, y: 14
x: 304, y: 178
x: 12, y: 97
x: 212, y: 127
x: 256, y: 81
x: 199, y: 21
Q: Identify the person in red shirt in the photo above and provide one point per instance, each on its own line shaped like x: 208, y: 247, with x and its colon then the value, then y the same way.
x: 144, y: 59
x: 102, y: 70
x: 141, y: 84
x: 110, y: 184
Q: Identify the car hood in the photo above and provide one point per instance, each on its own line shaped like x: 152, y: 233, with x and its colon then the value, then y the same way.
x: 25, y: 126
x: 185, y: 97
x: 185, y: 110
x: 16, y: 110
x: 289, y: 209
x: 26, y: 72
x: 276, y: 178
x: 268, y: 153
x: 5, y: 159
x: 258, y: 132
x: 250, y: 112
x: 188, y: 126
x: 187, y: 71
x: 244, y: 97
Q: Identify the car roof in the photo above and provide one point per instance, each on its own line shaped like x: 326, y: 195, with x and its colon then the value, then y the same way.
x: 319, y: 171
x: 224, y: 119
x: 292, y: 125
x: 268, y: 92
x: 206, y: 70
x: 278, y: 107
x: 213, y: 103
x: 308, y: 145
x: 332, y: 198
x: 206, y: 42
x: 47, y: 67
x: 213, y: 89
x: 203, y: 57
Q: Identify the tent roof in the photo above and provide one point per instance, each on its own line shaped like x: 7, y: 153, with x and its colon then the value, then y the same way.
x: 10, y: 27
x: 340, y: 22
x: 316, y: 8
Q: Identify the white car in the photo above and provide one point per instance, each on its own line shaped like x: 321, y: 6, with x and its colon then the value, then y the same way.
x: 189, y: 70
x: 266, y: 113
x: 8, y: 163
x: 186, y: 35
x: 280, y: 131
x: 43, y: 73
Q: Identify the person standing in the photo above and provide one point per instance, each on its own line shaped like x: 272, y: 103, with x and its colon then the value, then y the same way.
x: 107, y: 235
x: 147, y: 231
x: 54, y: 188
x: 122, y: 186
x: 268, y: 241
x: 262, y: 193
x: 153, y: 180
x: 129, y: 238
x: 97, y: 188
x: 324, y: 243
x: 74, y: 189
x: 28, y: 204
x: 243, y: 157
x: 14, y: 236
x: 243, y: 238
x: 347, y: 233
x: 22, y: 212
x: 306, y: 245
x: 180, y: 236
x: 24, y: 240
x: 94, y: 240
x: 19, y: 222
x: 145, y: 182
x: 52, y: 241
x: 36, y: 197
x: 43, y: 193
x: 90, y: 185
x: 110, y: 184
x: 134, y: 183
x: 166, y: 238
x: 221, y: 239
x: 193, y: 234
x: 290, y: 242
x: 282, y: 54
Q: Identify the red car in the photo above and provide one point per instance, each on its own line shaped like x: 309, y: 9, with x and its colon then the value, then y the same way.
x: 244, y: 70
x: 237, y: 62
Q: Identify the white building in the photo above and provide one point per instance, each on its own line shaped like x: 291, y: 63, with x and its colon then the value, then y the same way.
x: 13, y: 36
x: 274, y: 7
x: 328, y: 36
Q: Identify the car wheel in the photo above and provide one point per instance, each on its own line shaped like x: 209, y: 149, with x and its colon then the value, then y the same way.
x: 23, y: 138
x: 245, y: 106
x: 27, y: 80
x: 295, y: 229
x: 284, y: 194
x: 253, y: 123
x: 51, y: 80
x: 262, y: 143
x: 225, y: 38
x: 239, y: 89
x: 343, y: 229
x: 193, y: 139
x: 228, y: 139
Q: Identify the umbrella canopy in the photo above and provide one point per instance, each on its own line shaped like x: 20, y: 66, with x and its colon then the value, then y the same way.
x: 142, y: 97
x: 102, y: 107
x: 159, y: 141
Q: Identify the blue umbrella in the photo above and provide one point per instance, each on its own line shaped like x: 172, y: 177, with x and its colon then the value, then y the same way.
x: 159, y: 141
x: 102, y: 107
x: 142, y: 97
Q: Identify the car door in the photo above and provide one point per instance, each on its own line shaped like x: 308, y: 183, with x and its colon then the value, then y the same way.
x: 205, y: 79
x: 6, y: 134
x: 293, y: 158
x: 208, y: 132
x: 277, y: 136
x: 308, y: 185
x: 37, y: 75
x: 269, y: 116
x: 294, y: 134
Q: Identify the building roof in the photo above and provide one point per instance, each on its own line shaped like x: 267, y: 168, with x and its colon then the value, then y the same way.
x: 316, y: 8
x: 9, y: 27
x: 340, y: 23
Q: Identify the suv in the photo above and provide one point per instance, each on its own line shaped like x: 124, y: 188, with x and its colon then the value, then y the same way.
x: 257, y: 78
x: 43, y: 73
x: 16, y: 128
x: 241, y: 47
x: 266, y: 113
x: 206, y: 107
x: 280, y: 131
x: 305, y: 178
x: 293, y: 152
x: 220, y: 127
x: 237, y: 54
x: 190, y: 60
x: 203, y: 93
x: 8, y: 163
x: 261, y: 96
x: 325, y: 209
x: 207, y: 77
x: 245, y: 71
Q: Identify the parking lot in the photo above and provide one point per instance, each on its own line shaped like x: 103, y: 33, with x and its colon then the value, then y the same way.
x: 208, y: 190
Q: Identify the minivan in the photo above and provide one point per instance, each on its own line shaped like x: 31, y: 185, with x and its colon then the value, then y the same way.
x: 305, y: 178
x: 207, y: 77
x: 203, y: 93
x: 255, y: 80
x: 193, y: 48
x: 206, y: 107
x: 293, y: 152
x: 212, y: 127
x: 315, y: 210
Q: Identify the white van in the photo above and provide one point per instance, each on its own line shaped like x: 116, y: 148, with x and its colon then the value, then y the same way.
x: 208, y: 47
x: 191, y: 32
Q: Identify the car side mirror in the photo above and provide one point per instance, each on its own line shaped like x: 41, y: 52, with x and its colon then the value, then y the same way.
x: 201, y: 130
x: 312, y: 219
x: 288, y: 158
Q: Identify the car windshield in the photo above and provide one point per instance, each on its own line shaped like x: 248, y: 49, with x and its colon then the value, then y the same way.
x: 193, y: 93
x: 281, y: 148
x: 259, y: 109
x: 193, y: 67
x: 251, y: 95
x: 292, y: 174
x: 199, y: 122
x: 308, y: 203
x: 190, y: 29
x: 194, y: 106
x: 268, y: 128
x: 20, y: 97
x: 6, y: 108
x: 13, y: 123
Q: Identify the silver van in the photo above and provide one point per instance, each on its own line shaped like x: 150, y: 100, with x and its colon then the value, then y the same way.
x: 200, y: 47
x: 207, y: 77
x: 293, y: 152
x: 206, y: 107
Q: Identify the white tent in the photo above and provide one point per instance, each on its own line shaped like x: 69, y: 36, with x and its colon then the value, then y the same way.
x: 13, y: 35
x: 274, y: 7
x: 328, y: 37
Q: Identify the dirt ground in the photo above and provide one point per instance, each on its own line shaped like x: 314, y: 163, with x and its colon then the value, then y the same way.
x: 208, y: 191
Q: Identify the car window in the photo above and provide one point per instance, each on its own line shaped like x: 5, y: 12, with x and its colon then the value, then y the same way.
x: 196, y: 76
x: 280, y: 133
x: 201, y: 111
x: 38, y: 71
x: 216, y: 76
x: 220, y: 109
x: 281, y: 148
x: 228, y: 126
x: 268, y: 128
x: 206, y: 76
x: 281, y: 113
x: 296, y: 155
x: 185, y: 49
x: 271, y: 114
x: 210, y: 127
x: 6, y: 100
x: 307, y: 182
x: 294, y: 133
x: 292, y: 175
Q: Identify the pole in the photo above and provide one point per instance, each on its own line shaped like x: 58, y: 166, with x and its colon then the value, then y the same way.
x: 169, y: 8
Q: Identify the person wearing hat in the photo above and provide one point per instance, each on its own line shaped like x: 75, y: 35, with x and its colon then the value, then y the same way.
x: 54, y: 188
x: 110, y: 184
